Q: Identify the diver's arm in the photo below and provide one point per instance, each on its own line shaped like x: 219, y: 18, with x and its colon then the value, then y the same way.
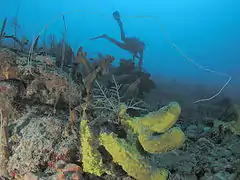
x: 112, y: 40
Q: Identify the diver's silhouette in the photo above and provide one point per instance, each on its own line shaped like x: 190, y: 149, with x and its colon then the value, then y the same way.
x: 131, y: 44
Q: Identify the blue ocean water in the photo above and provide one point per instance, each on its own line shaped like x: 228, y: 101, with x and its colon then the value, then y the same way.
x: 206, y: 31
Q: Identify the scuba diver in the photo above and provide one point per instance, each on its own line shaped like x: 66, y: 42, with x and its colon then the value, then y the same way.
x: 131, y: 44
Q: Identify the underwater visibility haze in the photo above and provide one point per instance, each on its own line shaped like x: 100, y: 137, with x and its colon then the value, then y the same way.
x: 120, y: 90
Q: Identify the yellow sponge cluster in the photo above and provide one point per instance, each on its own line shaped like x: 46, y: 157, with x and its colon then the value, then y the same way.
x: 124, y: 151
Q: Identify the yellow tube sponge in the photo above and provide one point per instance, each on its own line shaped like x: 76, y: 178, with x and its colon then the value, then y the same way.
x: 172, y: 139
x: 159, y: 121
x: 91, y: 158
x: 130, y: 159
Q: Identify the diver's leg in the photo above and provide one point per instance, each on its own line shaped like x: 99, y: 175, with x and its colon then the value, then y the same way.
x: 117, y: 17
x: 123, y: 37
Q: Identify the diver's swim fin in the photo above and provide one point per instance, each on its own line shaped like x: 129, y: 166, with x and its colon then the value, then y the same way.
x: 116, y: 15
x: 98, y: 37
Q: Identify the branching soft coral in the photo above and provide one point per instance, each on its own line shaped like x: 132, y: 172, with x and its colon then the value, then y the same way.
x: 109, y: 102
